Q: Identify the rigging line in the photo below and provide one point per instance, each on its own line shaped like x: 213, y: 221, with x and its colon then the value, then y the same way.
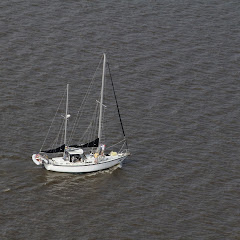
x: 89, y: 136
x: 92, y: 132
x: 61, y: 134
x: 55, y: 142
x: 83, y: 102
x: 116, y: 143
x: 88, y: 130
x: 103, y: 125
x: 86, y: 96
x: 95, y: 123
x: 122, y: 147
x: 53, y: 120
x: 62, y: 138
x: 117, y: 104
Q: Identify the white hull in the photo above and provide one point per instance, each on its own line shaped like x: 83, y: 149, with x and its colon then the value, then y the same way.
x: 83, y: 168
x: 59, y: 165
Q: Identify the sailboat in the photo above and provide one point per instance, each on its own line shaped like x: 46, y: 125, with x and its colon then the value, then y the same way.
x: 85, y: 157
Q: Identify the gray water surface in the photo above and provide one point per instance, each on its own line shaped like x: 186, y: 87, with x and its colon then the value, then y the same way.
x: 175, y: 65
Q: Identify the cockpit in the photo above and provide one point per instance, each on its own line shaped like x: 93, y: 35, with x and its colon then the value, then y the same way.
x: 75, y: 155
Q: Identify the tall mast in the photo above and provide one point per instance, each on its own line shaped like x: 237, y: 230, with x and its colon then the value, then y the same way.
x: 66, y: 117
x: 101, y: 100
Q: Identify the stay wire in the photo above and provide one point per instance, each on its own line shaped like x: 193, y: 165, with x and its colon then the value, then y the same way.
x: 80, y: 111
x: 117, y: 105
x: 53, y: 120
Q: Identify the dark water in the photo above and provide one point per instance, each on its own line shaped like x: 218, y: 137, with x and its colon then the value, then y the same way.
x: 176, y: 69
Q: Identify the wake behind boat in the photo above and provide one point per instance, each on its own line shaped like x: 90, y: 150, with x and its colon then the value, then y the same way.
x: 86, y: 157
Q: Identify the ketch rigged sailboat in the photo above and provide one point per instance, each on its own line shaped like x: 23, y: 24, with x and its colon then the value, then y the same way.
x: 88, y: 157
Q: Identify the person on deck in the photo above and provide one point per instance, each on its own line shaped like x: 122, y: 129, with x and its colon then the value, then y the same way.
x: 102, y: 149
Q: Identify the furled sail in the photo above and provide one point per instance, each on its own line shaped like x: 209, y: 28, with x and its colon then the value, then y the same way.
x: 93, y: 143
x: 56, y: 150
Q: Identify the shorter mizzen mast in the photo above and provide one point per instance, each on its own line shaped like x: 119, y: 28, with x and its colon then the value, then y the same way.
x: 101, y: 103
